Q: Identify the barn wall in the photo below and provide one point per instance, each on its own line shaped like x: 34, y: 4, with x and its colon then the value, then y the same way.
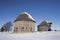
x: 24, y: 26
x: 43, y: 28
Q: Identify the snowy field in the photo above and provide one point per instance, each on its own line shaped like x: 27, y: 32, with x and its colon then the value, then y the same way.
x: 31, y: 36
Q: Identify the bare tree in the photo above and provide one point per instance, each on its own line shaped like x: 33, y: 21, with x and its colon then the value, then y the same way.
x: 7, y: 27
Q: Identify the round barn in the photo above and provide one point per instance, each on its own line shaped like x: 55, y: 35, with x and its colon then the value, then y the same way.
x: 24, y: 23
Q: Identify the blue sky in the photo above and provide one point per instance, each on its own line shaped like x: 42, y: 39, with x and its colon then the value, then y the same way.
x: 39, y: 9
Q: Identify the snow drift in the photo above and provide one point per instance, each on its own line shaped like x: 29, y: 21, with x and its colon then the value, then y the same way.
x: 31, y: 36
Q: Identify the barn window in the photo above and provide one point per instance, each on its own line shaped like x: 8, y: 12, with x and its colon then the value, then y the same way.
x: 26, y: 27
x: 16, y: 28
x: 31, y: 29
x: 22, y: 27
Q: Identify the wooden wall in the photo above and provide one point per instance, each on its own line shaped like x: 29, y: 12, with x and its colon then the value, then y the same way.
x: 24, y: 26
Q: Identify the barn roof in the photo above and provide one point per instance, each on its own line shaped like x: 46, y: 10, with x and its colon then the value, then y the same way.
x: 24, y: 17
x: 45, y: 23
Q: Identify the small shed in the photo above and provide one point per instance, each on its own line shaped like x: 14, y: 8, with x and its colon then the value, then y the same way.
x: 44, y: 26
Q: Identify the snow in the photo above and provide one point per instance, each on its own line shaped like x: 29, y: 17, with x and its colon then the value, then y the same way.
x: 29, y: 16
x: 46, y: 21
x: 30, y: 36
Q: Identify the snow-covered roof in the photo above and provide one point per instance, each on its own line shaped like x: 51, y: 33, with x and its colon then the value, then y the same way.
x: 29, y: 16
x: 45, y: 22
x: 25, y: 16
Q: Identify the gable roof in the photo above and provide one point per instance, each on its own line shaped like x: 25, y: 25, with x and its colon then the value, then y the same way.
x: 24, y: 17
x: 45, y: 23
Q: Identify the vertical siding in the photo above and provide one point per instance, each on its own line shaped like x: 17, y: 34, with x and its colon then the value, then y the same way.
x: 28, y: 26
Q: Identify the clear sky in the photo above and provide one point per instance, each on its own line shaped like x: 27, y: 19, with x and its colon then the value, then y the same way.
x: 39, y: 9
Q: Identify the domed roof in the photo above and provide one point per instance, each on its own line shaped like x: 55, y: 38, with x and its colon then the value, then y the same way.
x: 24, y: 17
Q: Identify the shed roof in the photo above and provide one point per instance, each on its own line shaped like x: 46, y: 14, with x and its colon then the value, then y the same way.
x: 45, y: 23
